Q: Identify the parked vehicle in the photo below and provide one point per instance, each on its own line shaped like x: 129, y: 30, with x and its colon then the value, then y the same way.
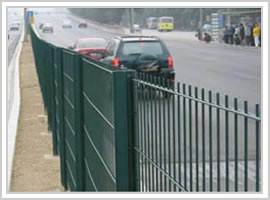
x: 165, y: 24
x: 47, y: 28
x: 142, y: 53
x: 82, y: 24
x: 137, y: 28
x: 67, y: 24
x: 14, y: 27
x: 151, y: 22
x: 91, y: 47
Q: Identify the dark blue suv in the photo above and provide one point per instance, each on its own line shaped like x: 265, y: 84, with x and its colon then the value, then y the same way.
x: 142, y: 53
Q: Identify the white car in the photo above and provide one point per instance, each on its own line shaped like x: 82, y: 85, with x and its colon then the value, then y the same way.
x: 67, y: 24
x: 137, y: 28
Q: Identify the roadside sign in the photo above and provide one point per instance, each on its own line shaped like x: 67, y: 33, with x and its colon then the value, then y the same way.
x: 30, y: 17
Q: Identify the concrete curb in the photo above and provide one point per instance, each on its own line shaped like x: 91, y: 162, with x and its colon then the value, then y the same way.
x: 14, y: 99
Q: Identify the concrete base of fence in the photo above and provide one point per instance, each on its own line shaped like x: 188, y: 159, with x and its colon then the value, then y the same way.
x: 34, y: 169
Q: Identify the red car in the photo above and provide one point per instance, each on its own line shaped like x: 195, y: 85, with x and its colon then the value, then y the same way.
x: 91, y: 47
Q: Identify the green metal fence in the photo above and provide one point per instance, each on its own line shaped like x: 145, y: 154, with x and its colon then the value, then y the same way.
x: 87, y: 107
x: 115, y: 130
x: 192, y: 141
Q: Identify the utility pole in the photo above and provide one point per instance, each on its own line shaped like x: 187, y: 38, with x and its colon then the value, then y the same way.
x: 201, y: 24
x: 25, y: 24
x: 229, y: 16
x: 131, y: 20
x: 201, y: 17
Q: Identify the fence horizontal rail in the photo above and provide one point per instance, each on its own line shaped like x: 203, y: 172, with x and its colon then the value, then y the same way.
x: 159, y: 87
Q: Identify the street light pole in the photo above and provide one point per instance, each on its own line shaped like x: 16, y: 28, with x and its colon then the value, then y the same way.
x: 201, y: 24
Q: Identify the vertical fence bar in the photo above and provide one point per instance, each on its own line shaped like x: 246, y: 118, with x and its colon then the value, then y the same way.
x: 151, y: 99
x: 148, y: 131
x: 257, y: 108
x: 179, y: 134
x: 140, y: 96
x: 246, y: 147
x: 218, y: 142
x: 197, y: 139
x: 160, y: 135
x: 190, y: 137
x: 144, y: 135
x: 210, y: 143
x: 184, y: 132
x: 227, y: 141
x: 203, y: 141
x: 174, y: 139
x: 169, y: 134
x: 235, y: 146
x: 164, y: 135
x: 156, y: 135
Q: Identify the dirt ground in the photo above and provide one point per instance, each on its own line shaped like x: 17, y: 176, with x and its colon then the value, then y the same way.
x: 35, y: 169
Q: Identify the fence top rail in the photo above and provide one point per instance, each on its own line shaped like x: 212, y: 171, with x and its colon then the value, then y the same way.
x: 239, y: 112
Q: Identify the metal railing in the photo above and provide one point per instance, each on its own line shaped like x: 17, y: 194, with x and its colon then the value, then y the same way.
x: 189, y: 141
x: 117, y: 131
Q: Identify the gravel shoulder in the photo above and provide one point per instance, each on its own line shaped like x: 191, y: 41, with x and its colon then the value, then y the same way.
x: 35, y: 169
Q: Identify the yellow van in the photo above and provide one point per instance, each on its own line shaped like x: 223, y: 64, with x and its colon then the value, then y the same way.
x: 165, y: 24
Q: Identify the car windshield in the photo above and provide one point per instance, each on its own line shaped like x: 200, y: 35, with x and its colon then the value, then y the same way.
x: 92, y: 43
x: 166, y: 20
x: 140, y: 47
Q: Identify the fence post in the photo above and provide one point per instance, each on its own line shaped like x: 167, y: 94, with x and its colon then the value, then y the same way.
x: 121, y: 130
x: 61, y: 119
x: 78, y: 111
x: 134, y: 184
x: 52, y: 100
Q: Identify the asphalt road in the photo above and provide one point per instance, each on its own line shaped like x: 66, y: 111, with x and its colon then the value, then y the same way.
x: 14, y: 15
x: 226, y: 69
x: 12, y: 43
x: 231, y: 70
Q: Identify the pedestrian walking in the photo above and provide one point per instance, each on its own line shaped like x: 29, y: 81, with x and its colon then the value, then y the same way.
x: 248, y: 34
x: 225, y: 35
x: 256, y: 35
x: 230, y: 34
x: 242, y: 34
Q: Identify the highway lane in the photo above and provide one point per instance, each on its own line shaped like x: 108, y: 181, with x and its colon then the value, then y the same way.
x: 226, y: 69
x: 13, y: 35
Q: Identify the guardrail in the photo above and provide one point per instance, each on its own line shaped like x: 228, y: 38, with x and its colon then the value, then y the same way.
x: 13, y: 103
